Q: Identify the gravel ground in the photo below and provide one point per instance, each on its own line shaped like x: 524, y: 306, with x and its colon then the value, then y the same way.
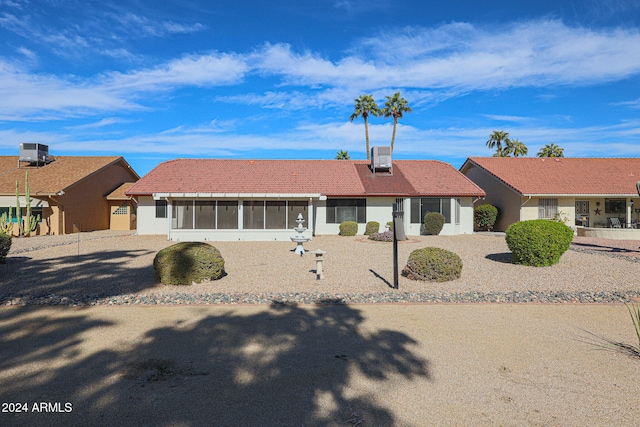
x: 108, y: 267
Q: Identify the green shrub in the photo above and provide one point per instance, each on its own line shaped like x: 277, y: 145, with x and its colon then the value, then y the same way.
x: 5, y: 245
x: 433, y: 264
x: 433, y: 223
x: 538, y: 242
x: 390, y: 225
x: 348, y: 228
x: 187, y: 262
x: 372, y: 227
x: 485, y: 217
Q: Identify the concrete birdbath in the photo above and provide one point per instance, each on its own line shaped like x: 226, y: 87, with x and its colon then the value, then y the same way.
x: 299, y: 238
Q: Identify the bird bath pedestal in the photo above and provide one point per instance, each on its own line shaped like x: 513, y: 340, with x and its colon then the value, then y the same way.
x: 299, y: 238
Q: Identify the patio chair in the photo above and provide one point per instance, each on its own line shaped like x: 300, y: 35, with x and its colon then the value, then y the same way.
x: 615, y: 222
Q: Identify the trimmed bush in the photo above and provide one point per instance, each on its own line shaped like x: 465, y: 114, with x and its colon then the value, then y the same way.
x: 387, y: 236
x: 538, y: 242
x: 5, y: 245
x: 433, y: 265
x: 390, y: 225
x: 485, y: 217
x: 433, y: 223
x: 372, y: 227
x: 348, y: 228
x: 187, y: 262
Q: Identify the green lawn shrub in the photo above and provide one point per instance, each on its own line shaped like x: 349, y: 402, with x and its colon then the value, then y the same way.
x: 433, y: 223
x: 433, y: 265
x: 538, y: 242
x: 187, y: 262
x: 5, y: 245
x: 348, y: 228
x: 485, y: 217
x: 372, y: 227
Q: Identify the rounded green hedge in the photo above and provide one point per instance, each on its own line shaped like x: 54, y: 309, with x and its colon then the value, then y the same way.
x: 433, y: 265
x: 538, y: 242
x: 187, y: 262
x: 371, y: 228
x: 485, y: 216
x: 5, y: 245
x: 433, y: 223
x: 348, y: 228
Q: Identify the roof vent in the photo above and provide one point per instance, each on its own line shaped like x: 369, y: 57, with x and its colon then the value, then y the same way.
x: 381, y: 159
x: 33, y: 152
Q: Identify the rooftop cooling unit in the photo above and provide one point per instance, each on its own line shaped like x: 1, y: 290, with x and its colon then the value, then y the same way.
x: 380, y: 158
x: 34, y: 152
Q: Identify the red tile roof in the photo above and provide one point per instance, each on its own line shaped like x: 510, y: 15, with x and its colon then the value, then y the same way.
x: 53, y: 177
x: 335, y: 178
x: 563, y: 176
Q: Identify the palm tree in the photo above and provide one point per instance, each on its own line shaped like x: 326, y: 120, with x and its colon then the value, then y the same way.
x: 365, y: 105
x: 495, y: 141
x: 515, y: 147
x: 395, y: 107
x: 343, y: 155
x: 551, y: 150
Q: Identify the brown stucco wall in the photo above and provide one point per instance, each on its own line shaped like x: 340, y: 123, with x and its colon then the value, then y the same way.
x: 499, y: 195
x: 85, y: 205
x: 122, y: 222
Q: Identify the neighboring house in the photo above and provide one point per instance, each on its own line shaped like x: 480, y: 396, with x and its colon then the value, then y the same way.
x: 122, y: 210
x: 589, y: 192
x: 223, y: 199
x: 68, y: 192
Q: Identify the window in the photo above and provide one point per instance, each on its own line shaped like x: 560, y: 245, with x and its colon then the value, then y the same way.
x: 182, y: 214
x: 227, y: 215
x: 276, y: 215
x: 37, y: 212
x: 420, y: 207
x: 547, y: 208
x: 340, y: 210
x: 161, y: 208
x: 123, y: 209
x: 616, y: 206
x: 272, y: 214
x: 293, y: 210
x: 205, y: 214
x: 253, y: 215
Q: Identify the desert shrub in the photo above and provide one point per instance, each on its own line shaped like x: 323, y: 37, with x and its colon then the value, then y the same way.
x: 433, y: 264
x: 348, y: 228
x: 433, y: 223
x: 485, y: 217
x: 387, y: 236
x: 372, y: 227
x: 187, y: 262
x: 5, y: 245
x: 390, y: 225
x: 538, y: 242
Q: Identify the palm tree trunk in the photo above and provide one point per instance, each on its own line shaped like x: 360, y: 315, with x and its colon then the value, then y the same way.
x: 366, y: 136
x: 393, y: 135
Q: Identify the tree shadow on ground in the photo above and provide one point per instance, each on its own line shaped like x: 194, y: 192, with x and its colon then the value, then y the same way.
x: 504, y: 257
x: 92, y: 275
x: 283, y: 365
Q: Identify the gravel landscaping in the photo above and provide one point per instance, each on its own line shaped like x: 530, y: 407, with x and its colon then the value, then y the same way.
x: 107, y: 267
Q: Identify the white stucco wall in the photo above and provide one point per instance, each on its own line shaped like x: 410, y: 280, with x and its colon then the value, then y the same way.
x: 378, y: 209
x: 147, y: 223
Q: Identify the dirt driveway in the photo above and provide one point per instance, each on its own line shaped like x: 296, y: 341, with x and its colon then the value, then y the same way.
x: 367, y: 365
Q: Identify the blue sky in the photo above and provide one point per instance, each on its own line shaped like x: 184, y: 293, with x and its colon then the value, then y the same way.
x: 157, y: 80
